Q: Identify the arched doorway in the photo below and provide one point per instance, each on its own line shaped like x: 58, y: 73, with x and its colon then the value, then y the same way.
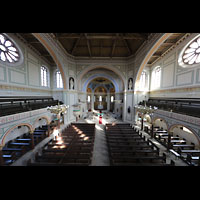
x: 100, y: 94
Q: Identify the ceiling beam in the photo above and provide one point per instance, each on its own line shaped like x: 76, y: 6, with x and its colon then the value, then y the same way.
x: 88, y: 44
x: 156, y: 55
x: 171, y: 47
x: 34, y: 42
x: 90, y: 37
x: 76, y: 43
x: 32, y: 47
x: 126, y: 44
x: 114, y: 44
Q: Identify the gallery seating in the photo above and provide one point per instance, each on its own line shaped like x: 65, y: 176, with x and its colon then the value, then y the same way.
x: 18, y: 104
x: 178, y: 146
x: 186, y: 106
x: 17, y: 147
x: 127, y: 147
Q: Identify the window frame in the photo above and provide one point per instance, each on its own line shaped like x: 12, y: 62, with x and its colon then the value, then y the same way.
x: 182, y: 53
x: 155, y: 83
x: 42, y: 76
x: 18, y: 50
x: 59, y: 83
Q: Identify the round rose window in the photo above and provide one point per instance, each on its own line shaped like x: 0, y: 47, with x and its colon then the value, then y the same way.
x: 8, y: 51
x: 191, y: 55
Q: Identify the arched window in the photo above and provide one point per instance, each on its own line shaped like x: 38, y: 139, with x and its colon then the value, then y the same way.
x: 44, y: 76
x: 156, y: 77
x: 88, y: 99
x: 59, y: 82
x: 143, y: 80
x: 112, y: 99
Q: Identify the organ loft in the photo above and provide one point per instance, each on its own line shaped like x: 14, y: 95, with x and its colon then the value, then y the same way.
x: 99, y: 99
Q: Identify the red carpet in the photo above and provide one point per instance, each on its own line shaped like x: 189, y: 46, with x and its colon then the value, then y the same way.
x: 100, y: 119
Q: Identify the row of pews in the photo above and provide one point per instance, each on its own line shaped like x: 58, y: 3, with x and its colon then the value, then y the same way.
x: 72, y: 147
x: 17, y: 104
x: 178, y: 146
x: 17, y: 147
x: 127, y: 147
x: 188, y: 106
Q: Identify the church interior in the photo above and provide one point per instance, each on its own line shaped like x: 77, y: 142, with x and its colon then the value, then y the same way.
x: 100, y: 99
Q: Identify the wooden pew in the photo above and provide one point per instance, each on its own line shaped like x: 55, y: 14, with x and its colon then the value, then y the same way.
x: 78, y: 149
x: 124, y: 149
x: 183, y: 153
x: 193, y: 160
x: 183, y: 146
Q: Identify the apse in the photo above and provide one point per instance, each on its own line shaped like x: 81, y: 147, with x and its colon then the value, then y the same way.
x: 100, y: 94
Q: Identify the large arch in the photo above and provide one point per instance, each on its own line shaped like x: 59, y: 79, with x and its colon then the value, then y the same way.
x: 193, y: 131
x: 156, y: 118
x: 84, y: 88
x: 53, y: 54
x: 11, y: 129
x: 153, y: 49
x: 92, y: 67
x: 41, y: 117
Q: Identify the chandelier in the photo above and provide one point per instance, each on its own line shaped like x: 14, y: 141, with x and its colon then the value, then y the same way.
x: 58, y: 109
x: 145, y: 110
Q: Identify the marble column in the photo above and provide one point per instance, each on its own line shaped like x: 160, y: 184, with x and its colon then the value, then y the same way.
x: 92, y: 101
x: 108, y: 101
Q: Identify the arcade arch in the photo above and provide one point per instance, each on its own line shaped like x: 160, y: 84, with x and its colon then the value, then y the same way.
x: 16, y: 131
x: 186, y: 133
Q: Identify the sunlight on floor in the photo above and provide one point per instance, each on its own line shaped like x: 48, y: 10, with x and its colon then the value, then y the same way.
x: 98, y: 127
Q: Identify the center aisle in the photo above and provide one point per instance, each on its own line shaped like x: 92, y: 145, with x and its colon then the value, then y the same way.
x: 100, y: 150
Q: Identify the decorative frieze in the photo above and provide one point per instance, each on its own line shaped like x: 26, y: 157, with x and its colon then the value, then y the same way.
x: 180, y: 117
x: 21, y: 116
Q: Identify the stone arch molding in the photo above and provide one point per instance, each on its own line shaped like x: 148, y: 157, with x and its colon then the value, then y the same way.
x: 2, y: 142
x: 54, y: 52
x: 41, y: 117
x: 84, y: 88
x: 155, y: 118
x: 188, y: 127
x: 109, y: 67
x: 144, y: 58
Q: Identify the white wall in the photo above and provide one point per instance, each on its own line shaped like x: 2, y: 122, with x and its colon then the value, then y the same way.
x: 177, y: 81
x: 23, y: 80
x: 190, y: 137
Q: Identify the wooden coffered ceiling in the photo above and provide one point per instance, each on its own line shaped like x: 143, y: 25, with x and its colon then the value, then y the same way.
x: 106, y: 45
x: 101, y: 45
x: 167, y: 46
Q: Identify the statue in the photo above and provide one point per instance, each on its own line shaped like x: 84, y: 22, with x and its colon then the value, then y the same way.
x: 130, y: 84
x: 71, y: 83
